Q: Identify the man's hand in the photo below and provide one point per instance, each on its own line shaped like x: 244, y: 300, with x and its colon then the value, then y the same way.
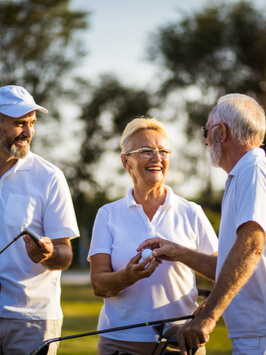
x: 162, y: 248
x: 41, y: 252
x: 195, y: 333
x: 204, y: 264
x: 54, y: 254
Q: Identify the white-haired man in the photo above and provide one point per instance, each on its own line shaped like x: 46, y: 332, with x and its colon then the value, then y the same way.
x: 234, y: 132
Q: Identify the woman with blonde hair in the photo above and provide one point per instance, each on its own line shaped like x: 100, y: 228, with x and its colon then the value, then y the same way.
x: 137, y: 290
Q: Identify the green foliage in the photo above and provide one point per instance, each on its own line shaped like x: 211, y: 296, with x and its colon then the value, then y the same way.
x: 221, y: 48
x: 39, y: 47
x: 109, y: 106
x: 218, y: 50
x: 211, y: 204
x: 214, y: 217
x: 121, y: 104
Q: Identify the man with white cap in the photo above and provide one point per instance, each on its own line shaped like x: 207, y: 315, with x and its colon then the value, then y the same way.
x: 33, y: 194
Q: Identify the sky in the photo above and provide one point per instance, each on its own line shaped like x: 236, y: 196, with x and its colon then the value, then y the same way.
x: 117, y: 42
x: 119, y: 31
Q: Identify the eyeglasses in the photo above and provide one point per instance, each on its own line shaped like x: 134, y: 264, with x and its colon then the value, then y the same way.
x: 148, y: 153
x: 204, y: 130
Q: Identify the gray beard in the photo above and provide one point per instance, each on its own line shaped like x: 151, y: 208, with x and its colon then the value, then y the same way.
x: 215, y: 151
x: 12, y: 149
x: 19, y: 153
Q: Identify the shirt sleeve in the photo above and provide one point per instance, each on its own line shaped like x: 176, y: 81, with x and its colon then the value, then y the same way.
x: 102, y: 240
x: 59, y: 218
x: 251, y: 197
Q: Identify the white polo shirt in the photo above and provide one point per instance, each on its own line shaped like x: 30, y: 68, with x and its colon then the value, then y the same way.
x: 245, y: 200
x: 171, y: 290
x: 33, y: 194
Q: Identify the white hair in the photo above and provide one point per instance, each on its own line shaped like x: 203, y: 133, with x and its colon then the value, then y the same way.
x: 245, y: 117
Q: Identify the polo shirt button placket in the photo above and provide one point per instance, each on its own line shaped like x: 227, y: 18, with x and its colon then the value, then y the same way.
x: 152, y: 231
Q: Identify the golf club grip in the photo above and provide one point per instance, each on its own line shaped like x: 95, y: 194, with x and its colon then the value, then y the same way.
x: 34, y: 236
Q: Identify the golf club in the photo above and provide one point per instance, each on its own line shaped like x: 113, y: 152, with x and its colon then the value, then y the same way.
x: 33, y: 235
x: 43, y: 348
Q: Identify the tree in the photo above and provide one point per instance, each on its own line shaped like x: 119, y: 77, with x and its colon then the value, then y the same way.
x: 108, y: 107
x: 218, y: 50
x: 39, y: 48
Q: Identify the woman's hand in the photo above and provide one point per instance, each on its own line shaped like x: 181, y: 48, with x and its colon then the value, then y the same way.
x: 109, y: 283
x: 137, y: 269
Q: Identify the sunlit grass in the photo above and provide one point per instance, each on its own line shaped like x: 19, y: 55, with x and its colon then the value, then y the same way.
x: 81, y: 309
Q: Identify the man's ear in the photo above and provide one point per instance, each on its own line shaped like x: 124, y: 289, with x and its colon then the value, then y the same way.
x: 124, y: 160
x: 223, y: 134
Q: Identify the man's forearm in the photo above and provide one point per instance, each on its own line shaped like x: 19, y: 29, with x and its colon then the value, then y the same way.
x: 60, y: 259
x: 204, y: 264
x: 237, y: 269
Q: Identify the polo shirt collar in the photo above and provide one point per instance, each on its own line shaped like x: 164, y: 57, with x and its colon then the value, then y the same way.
x: 169, y: 200
x: 130, y: 199
x: 253, y: 153
x: 24, y: 164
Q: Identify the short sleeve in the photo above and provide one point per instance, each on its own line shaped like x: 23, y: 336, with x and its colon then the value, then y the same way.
x: 251, y: 197
x: 102, y: 240
x: 59, y: 218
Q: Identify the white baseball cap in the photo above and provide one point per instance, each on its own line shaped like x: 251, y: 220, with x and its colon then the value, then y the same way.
x: 15, y: 101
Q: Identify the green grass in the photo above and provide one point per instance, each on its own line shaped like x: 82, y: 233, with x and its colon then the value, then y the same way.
x: 81, y: 309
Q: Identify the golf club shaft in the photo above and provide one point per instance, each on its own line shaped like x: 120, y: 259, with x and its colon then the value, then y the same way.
x: 131, y: 326
x: 26, y: 231
x: 7, y: 246
x: 96, y: 332
x: 16, y: 238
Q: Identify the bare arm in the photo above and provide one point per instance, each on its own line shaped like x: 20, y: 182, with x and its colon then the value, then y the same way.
x: 109, y: 283
x: 54, y: 254
x: 237, y: 269
x: 205, y: 264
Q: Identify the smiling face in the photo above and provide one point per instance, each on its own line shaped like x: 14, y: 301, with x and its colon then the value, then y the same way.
x: 147, y: 172
x: 16, y: 134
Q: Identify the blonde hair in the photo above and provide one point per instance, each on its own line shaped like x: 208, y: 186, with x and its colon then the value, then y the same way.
x: 139, y: 124
x: 245, y: 117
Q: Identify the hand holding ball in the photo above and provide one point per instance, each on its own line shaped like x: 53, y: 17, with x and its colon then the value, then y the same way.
x: 145, y: 253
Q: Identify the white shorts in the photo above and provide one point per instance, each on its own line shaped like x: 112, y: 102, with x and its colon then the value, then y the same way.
x: 21, y: 336
x: 249, y: 346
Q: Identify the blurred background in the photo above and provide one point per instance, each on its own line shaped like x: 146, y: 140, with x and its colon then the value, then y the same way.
x: 98, y: 64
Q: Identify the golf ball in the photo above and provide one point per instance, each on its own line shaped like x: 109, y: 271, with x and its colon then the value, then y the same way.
x: 145, y: 253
